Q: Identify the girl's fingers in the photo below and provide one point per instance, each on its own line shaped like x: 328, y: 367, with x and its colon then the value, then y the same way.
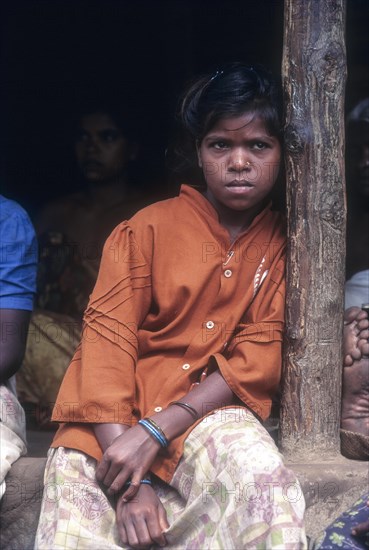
x: 116, y: 481
x: 107, y: 472
x: 122, y: 533
x: 155, y: 530
x: 134, y: 486
x: 163, y: 521
x: 102, y: 469
x: 131, y: 534
x: 143, y: 534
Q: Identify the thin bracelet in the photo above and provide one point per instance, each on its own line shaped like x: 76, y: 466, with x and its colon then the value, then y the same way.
x: 153, y: 431
x: 144, y: 481
x: 187, y: 407
x: 160, y: 437
x: 156, y: 426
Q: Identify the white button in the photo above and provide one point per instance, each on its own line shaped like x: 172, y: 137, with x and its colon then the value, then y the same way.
x: 158, y: 409
x: 228, y: 273
x: 186, y: 366
x: 209, y: 324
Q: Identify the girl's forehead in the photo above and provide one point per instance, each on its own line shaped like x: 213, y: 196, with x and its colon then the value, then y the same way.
x: 250, y: 122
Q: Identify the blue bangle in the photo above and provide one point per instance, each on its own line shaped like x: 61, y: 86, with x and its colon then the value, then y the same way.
x: 160, y: 437
x: 143, y: 481
x: 156, y: 435
x: 146, y: 481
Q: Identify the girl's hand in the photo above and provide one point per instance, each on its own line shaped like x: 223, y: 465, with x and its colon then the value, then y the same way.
x: 141, y: 522
x: 128, y: 458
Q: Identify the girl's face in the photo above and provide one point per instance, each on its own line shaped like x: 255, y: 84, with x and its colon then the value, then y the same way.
x: 101, y: 149
x: 240, y: 161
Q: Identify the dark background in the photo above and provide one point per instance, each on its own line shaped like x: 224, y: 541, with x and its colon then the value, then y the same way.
x: 56, y: 52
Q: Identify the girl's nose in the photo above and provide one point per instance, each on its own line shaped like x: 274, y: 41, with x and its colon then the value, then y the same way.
x: 239, y: 161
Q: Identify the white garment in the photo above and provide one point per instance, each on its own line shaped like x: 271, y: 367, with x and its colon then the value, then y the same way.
x: 12, y: 433
x: 357, y: 289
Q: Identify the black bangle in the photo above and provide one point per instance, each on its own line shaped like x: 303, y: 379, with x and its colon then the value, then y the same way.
x: 187, y: 407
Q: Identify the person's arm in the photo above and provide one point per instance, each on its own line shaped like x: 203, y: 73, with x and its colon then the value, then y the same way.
x: 250, y: 371
x: 131, y: 454
x: 14, y: 326
x: 106, y: 433
x: 18, y: 267
x: 141, y: 521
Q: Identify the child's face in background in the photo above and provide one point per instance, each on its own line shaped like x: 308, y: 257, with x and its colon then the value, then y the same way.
x: 240, y: 161
x: 101, y: 149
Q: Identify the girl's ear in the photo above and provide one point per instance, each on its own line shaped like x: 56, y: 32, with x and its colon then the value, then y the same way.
x: 198, y: 153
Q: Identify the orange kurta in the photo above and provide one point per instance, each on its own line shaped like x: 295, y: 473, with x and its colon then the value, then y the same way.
x: 173, y: 297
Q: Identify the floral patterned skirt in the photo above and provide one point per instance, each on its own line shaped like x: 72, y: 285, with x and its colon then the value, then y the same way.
x: 230, y: 490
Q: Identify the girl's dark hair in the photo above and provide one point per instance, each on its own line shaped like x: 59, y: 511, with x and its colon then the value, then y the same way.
x: 234, y: 89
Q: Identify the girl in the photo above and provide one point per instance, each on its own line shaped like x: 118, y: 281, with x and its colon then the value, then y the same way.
x: 161, y: 441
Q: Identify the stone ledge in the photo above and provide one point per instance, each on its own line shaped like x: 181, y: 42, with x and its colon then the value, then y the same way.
x: 330, y: 488
x: 21, y: 503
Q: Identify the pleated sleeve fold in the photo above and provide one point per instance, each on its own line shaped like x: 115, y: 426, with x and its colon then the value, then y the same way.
x: 118, y: 304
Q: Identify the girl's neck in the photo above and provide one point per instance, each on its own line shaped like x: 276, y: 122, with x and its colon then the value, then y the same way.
x: 235, y: 221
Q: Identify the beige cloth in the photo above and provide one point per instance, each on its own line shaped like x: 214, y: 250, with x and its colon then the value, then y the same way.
x: 230, y: 490
x: 12, y: 433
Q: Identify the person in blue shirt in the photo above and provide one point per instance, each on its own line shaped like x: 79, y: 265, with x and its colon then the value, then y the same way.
x: 18, y: 269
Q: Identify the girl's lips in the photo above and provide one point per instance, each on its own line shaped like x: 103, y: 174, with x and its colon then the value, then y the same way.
x: 242, y: 184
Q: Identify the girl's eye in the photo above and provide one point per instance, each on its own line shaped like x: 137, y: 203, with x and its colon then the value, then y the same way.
x: 259, y: 145
x: 219, y: 145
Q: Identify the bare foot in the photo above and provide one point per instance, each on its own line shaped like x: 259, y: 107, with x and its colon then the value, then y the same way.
x: 355, y: 335
x: 355, y: 388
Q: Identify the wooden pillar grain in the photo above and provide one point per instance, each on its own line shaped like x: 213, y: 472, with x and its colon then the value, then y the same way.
x: 314, y: 76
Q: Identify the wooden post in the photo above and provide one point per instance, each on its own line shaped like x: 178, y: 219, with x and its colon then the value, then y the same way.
x: 314, y: 76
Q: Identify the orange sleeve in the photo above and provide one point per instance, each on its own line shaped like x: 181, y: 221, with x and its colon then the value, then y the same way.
x: 252, y: 362
x: 99, y: 385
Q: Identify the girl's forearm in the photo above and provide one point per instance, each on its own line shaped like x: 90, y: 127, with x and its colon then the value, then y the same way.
x: 106, y: 433
x: 211, y: 394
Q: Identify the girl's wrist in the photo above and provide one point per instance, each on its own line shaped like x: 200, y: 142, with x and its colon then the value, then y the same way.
x: 173, y: 421
x: 155, y: 431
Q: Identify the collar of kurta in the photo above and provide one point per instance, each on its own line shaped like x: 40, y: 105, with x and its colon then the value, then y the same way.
x: 200, y: 203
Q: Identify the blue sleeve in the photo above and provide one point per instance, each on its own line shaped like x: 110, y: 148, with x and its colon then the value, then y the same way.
x: 18, y: 257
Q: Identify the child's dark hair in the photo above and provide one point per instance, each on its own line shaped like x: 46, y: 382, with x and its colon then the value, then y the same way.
x: 231, y: 91
x: 234, y: 89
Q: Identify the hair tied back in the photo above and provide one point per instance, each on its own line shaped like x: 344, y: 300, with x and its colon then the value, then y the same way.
x: 217, y: 73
